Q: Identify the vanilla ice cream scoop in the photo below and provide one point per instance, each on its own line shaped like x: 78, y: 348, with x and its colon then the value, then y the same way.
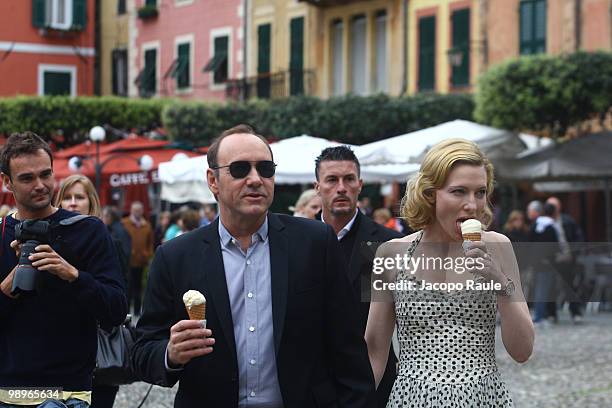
x: 471, y: 230
x: 192, y: 298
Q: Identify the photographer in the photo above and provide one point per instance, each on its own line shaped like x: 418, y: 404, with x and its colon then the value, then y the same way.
x: 48, y: 325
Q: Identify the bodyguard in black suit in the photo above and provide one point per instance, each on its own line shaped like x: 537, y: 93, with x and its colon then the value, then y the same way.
x: 338, y: 183
x: 314, y: 356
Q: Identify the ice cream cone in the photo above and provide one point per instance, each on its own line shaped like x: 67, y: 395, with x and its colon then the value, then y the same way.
x: 472, y: 236
x: 197, y: 312
x: 195, y: 303
x: 471, y: 230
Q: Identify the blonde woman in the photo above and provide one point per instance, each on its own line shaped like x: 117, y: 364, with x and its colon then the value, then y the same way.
x: 78, y: 194
x: 516, y: 228
x: 308, y: 205
x: 446, y: 325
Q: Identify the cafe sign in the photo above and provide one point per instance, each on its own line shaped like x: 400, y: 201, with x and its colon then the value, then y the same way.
x: 131, y: 179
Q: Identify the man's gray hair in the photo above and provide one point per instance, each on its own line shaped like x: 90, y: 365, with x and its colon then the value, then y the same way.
x: 536, y: 206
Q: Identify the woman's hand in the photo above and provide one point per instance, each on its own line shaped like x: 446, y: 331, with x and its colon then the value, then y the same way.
x: 483, y: 263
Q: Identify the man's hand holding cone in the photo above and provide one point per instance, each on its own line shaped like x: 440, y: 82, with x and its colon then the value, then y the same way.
x: 190, y: 338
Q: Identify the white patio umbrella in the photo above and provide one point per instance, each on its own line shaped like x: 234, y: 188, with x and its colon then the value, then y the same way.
x: 411, y: 147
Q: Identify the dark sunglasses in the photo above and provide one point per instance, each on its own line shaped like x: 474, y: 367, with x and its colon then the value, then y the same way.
x: 241, y: 169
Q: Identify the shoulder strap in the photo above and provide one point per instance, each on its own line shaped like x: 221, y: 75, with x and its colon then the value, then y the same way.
x: 73, y: 220
x: 3, y: 222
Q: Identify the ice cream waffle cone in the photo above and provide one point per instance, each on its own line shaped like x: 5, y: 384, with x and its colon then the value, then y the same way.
x: 472, y: 236
x: 197, y: 312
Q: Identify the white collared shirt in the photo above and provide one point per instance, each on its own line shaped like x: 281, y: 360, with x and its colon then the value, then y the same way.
x: 347, y: 228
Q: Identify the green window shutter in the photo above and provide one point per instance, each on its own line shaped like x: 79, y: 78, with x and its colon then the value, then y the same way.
x: 57, y: 83
x: 183, y: 66
x: 151, y: 3
x: 540, y: 26
x: 427, y: 53
x: 263, y: 60
x: 79, y: 14
x: 121, y: 7
x: 221, y: 55
x: 526, y: 27
x: 532, y: 26
x: 461, y: 45
x: 148, y: 80
x: 296, y: 61
x: 38, y: 13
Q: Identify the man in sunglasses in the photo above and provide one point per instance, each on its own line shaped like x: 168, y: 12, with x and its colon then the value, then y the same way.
x: 281, y: 318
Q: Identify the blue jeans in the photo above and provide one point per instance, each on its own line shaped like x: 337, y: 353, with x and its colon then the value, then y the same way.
x: 544, y: 293
x: 69, y: 403
x: 52, y: 403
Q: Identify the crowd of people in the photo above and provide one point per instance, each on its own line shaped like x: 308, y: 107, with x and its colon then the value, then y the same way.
x: 293, y: 318
x: 551, y: 263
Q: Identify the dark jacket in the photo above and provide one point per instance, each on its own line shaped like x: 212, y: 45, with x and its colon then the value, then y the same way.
x: 368, y: 236
x: 122, y: 236
x: 49, y: 339
x: 545, y: 246
x: 321, y: 356
x: 573, y: 233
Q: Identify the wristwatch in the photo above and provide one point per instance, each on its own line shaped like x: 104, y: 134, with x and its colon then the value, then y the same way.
x: 508, y: 289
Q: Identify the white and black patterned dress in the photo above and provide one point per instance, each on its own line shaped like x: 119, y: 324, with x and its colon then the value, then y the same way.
x: 447, y: 348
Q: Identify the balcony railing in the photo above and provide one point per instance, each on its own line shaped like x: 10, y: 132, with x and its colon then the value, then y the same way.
x: 272, y: 85
x: 329, y: 3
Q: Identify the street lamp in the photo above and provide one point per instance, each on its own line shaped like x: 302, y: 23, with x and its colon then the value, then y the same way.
x: 145, y: 162
x: 97, y: 134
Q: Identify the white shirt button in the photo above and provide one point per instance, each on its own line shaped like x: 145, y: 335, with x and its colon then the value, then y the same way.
x: 252, y: 393
x: 252, y: 361
x: 250, y: 295
x: 252, y: 328
x: 248, y: 261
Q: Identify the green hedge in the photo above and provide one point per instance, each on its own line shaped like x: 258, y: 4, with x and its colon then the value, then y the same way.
x: 75, y: 116
x: 349, y: 119
x: 546, y: 93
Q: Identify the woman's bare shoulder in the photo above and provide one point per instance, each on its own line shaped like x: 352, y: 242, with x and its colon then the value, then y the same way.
x: 397, y: 245
x: 406, y: 239
x: 492, y: 236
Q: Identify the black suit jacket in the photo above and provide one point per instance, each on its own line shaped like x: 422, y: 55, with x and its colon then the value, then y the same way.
x: 321, y: 355
x: 369, y: 236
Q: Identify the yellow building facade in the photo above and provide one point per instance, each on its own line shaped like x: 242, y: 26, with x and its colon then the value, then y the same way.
x: 451, y: 60
x: 114, y: 37
x: 281, y: 56
x: 352, y: 47
x: 365, y: 47
x: 361, y: 48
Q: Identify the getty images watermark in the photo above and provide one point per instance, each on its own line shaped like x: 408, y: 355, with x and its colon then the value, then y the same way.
x: 410, y: 264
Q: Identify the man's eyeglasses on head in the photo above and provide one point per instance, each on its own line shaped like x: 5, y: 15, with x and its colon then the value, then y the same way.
x: 242, y: 168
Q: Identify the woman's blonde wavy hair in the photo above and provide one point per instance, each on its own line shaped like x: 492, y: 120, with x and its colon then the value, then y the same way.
x: 418, y: 204
x: 90, y: 190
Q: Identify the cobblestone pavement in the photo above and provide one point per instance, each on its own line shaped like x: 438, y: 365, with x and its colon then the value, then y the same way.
x: 571, y: 367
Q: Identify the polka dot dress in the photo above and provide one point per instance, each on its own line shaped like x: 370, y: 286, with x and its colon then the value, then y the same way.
x: 447, y: 349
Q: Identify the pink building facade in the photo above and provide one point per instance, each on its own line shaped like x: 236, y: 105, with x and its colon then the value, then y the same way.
x: 47, y: 47
x: 185, y: 49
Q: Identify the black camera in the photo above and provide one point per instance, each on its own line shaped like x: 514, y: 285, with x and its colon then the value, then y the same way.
x: 30, y: 233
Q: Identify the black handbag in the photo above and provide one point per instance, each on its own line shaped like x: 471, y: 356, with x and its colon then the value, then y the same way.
x: 113, y: 366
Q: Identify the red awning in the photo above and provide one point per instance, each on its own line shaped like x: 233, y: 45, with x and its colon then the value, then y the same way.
x: 88, y: 148
x: 124, y: 162
x: 83, y: 149
x: 120, y: 167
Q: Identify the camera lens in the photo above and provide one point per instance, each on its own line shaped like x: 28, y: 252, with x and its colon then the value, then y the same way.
x: 25, y: 274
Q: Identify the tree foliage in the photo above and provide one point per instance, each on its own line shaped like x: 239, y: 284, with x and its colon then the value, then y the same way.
x: 546, y: 93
